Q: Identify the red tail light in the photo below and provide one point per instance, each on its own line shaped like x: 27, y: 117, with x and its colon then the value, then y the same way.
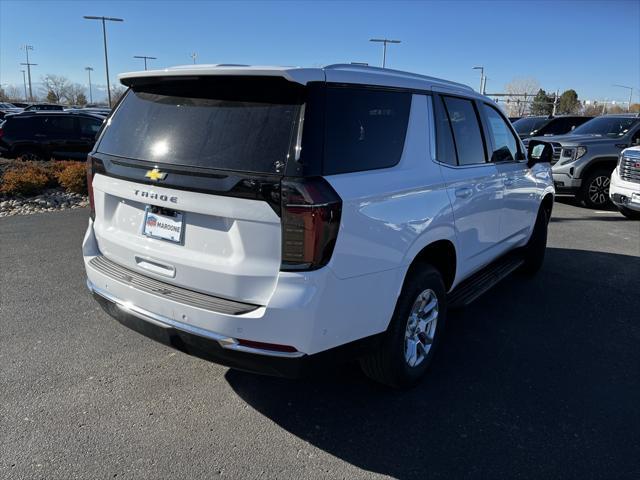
x: 90, y: 186
x: 311, y: 211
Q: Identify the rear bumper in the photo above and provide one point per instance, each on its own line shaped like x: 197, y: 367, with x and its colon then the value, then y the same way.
x: 313, y: 312
x: 224, y: 350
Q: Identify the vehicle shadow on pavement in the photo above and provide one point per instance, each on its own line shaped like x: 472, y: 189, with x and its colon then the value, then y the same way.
x: 538, y: 378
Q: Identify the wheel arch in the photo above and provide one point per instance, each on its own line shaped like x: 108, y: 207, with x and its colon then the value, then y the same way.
x: 441, y: 254
x: 598, y: 163
x: 547, y: 204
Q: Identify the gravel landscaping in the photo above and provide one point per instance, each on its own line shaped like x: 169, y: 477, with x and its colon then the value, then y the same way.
x: 49, y: 201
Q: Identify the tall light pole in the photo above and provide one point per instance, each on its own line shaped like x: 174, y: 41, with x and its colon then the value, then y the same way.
x: 193, y: 57
x: 24, y: 81
x: 482, y: 86
x: 630, y: 94
x: 145, y: 59
x: 89, y: 70
x: 104, y: 37
x: 26, y: 49
x: 384, y: 42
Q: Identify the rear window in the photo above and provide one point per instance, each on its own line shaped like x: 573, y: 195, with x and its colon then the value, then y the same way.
x: 227, y: 123
x: 365, y: 129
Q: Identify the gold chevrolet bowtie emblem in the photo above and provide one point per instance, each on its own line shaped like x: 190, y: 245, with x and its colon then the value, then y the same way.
x: 155, y: 174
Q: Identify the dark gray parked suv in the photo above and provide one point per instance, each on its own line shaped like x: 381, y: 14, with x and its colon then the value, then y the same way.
x: 584, y: 159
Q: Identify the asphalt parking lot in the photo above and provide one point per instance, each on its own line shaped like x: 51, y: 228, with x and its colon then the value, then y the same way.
x: 540, y: 378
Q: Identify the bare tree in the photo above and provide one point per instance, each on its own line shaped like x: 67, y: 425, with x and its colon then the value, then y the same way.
x: 521, y: 92
x: 13, y: 93
x: 56, y: 87
x: 74, y: 93
x: 116, y: 92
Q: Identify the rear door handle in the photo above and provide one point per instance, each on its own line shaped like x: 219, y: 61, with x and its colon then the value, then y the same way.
x: 464, y: 192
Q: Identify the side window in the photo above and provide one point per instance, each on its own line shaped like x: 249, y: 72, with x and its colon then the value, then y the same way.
x: 364, y: 129
x: 466, y: 130
x: 89, y: 126
x: 445, y: 148
x: 505, y: 145
x: 61, y: 125
x: 560, y: 126
x: 635, y: 139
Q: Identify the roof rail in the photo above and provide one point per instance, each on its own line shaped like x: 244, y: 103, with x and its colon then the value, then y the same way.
x: 396, y: 73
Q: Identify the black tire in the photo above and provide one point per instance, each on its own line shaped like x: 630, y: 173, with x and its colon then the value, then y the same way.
x: 537, y: 245
x: 595, y: 188
x: 387, y: 364
x: 630, y: 214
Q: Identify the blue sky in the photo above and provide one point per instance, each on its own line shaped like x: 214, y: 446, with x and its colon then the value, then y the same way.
x: 586, y: 45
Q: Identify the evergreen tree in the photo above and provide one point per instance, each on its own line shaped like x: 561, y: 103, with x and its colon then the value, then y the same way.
x: 542, y: 104
x: 568, y: 103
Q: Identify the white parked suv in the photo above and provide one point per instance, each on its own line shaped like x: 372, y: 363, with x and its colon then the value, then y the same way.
x: 274, y: 219
x: 624, y: 188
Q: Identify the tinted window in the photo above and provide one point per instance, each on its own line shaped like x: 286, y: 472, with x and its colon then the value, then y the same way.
x: 445, y: 149
x: 364, y: 129
x: 505, y: 145
x: 230, y: 123
x: 89, y: 126
x: 59, y: 125
x: 525, y: 126
x: 466, y: 130
x: 26, y: 127
x: 613, y: 127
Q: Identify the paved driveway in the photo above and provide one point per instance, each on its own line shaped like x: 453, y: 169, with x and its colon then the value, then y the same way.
x: 538, y: 379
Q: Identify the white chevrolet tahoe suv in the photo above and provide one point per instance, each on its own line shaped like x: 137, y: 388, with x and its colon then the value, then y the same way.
x: 275, y: 219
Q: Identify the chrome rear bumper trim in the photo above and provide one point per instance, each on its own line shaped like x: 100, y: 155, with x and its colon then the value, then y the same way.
x: 160, y: 320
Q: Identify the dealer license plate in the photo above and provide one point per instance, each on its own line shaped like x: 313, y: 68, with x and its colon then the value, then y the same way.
x: 163, y: 224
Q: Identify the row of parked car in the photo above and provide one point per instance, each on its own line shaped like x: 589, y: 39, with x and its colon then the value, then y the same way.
x: 586, y: 151
x: 44, y: 131
x: 12, y: 108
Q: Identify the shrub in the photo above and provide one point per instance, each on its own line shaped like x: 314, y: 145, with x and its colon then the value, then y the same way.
x: 26, y: 179
x: 73, y: 177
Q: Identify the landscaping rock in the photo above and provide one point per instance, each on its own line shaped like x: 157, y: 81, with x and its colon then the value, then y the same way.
x: 50, y: 201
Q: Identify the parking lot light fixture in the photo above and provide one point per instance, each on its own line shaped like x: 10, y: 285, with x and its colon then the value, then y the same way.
x: 630, y: 94
x: 384, y: 42
x: 145, y: 59
x: 104, y: 37
x: 89, y: 70
x: 482, y: 78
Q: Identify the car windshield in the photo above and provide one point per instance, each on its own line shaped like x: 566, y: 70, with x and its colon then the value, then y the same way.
x: 606, y: 126
x: 528, y: 125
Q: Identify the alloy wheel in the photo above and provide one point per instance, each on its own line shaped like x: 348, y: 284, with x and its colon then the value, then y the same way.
x: 599, y: 190
x: 421, y: 328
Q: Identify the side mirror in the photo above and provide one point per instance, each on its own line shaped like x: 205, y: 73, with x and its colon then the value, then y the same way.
x: 539, y: 152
